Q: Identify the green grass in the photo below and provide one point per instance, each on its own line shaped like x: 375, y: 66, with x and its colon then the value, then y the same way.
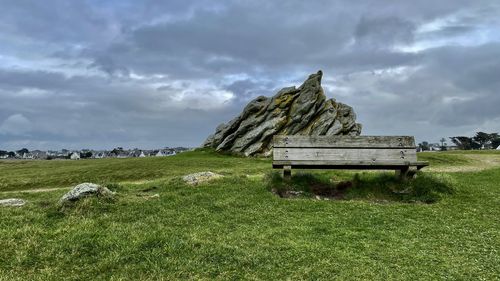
x: 22, y: 175
x: 234, y: 228
x: 454, y: 158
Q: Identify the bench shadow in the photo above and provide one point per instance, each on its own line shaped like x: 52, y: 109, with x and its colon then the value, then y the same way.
x: 377, y: 187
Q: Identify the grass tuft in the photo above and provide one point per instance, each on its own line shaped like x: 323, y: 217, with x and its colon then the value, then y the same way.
x: 113, y: 186
x: 88, y: 206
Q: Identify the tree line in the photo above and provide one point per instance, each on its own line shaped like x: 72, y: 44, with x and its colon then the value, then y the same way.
x: 480, y: 140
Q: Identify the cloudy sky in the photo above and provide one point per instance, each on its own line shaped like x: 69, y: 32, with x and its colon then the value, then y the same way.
x: 101, y: 74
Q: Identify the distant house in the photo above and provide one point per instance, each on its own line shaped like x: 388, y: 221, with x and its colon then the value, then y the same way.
x: 27, y: 156
x: 498, y: 148
x: 142, y: 154
x: 160, y: 154
x: 169, y: 152
x: 181, y: 149
x: 118, y: 154
x: 99, y: 154
x: 435, y: 147
x: 57, y: 154
x: 75, y: 156
x: 123, y: 154
x: 451, y: 147
x: 5, y: 156
x: 51, y: 153
x: 135, y: 153
x: 38, y: 154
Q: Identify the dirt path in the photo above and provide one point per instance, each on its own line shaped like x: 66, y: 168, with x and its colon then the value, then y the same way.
x: 479, y: 163
x: 38, y: 190
x: 35, y: 190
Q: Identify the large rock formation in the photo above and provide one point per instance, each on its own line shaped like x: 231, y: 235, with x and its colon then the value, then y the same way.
x: 292, y: 111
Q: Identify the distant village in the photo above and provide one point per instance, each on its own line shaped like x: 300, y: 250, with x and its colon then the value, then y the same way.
x: 118, y: 152
x: 480, y: 141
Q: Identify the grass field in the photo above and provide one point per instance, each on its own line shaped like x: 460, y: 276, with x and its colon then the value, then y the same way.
x: 235, y: 228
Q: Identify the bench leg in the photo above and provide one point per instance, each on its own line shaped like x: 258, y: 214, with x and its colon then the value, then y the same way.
x: 287, y: 173
x: 406, y: 173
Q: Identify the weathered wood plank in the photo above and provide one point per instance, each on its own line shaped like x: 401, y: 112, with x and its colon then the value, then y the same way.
x: 360, y: 142
x: 345, y: 154
x: 338, y: 166
x: 345, y: 167
x: 295, y: 163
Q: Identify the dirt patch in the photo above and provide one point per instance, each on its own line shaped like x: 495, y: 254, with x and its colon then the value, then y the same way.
x: 328, y: 191
x: 319, y: 191
x: 287, y: 193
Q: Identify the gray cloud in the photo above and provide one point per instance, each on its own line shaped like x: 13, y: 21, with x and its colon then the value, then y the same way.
x: 15, y: 125
x: 379, y: 33
x: 156, y: 73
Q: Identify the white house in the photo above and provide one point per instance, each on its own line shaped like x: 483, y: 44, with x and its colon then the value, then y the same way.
x: 142, y: 154
x: 160, y: 154
x: 75, y: 156
x: 169, y: 152
x: 99, y: 154
x: 122, y: 155
x: 38, y: 154
x: 27, y: 156
x: 498, y: 148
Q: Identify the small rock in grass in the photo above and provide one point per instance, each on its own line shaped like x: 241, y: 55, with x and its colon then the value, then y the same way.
x: 149, y: 196
x: 84, y: 190
x: 154, y: 196
x: 287, y: 193
x: 196, y: 178
x: 295, y: 193
x: 12, y: 202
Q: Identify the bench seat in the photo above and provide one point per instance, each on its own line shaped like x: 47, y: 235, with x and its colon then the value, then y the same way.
x: 347, y: 152
x: 348, y: 165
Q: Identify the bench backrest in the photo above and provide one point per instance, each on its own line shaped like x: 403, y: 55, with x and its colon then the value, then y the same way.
x: 355, y: 149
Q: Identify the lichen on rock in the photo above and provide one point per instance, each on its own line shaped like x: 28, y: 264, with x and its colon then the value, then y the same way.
x: 197, y: 178
x: 85, y: 190
x: 292, y: 111
x: 12, y: 202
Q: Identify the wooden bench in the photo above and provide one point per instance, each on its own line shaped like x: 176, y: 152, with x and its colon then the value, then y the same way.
x: 346, y: 152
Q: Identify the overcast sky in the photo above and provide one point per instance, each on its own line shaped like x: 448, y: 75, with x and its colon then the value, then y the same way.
x: 101, y: 74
